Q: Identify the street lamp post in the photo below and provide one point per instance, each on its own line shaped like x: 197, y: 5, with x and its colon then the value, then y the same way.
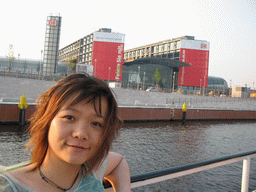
x: 128, y: 80
x: 230, y: 89
x: 204, y: 85
x: 200, y: 86
x: 138, y: 77
x: 18, y: 62
x: 18, y: 65
x: 144, y: 81
x: 109, y: 74
x: 223, y: 88
x: 173, y: 82
x: 95, y: 67
x: 41, y: 62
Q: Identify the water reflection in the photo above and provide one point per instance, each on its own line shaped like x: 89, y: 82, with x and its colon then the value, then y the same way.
x: 12, y: 147
x: 158, y: 145
x: 149, y: 146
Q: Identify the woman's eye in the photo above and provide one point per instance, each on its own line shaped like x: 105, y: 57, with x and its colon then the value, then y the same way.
x: 97, y: 124
x: 69, y: 117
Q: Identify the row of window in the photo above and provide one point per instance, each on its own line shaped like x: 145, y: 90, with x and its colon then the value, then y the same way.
x: 159, y: 55
x: 86, y: 62
x: 86, y: 40
x: 52, y: 30
x: 52, y: 37
x: 83, y: 49
x: 50, y: 44
x: 86, y: 48
x: 153, y: 50
x: 50, y: 56
x: 50, y: 49
x: 69, y: 48
x: 49, y: 61
x: 85, y: 57
x: 49, y: 52
x: 67, y: 55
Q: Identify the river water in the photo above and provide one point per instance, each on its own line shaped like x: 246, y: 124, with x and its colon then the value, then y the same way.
x: 149, y: 146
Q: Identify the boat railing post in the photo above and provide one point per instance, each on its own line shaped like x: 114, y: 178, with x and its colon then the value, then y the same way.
x: 245, y: 174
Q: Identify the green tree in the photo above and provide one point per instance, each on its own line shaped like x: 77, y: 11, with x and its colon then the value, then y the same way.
x: 157, y: 76
x: 10, y: 57
x: 71, y: 63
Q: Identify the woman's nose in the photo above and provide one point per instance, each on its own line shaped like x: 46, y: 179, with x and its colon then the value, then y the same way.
x: 81, y: 131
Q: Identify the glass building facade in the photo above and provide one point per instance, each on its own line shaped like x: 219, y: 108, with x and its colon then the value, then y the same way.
x: 51, y: 45
x: 217, y: 83
x: 140, y: 73
x: 30, y: 66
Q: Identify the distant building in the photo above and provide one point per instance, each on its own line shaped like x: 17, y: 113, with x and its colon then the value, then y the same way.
x: 241, y: 92
x: 51, y: 45
x: 102, y: 49
x: 184, y: 49
x: 140, y: 73
x: 217, y: 84
x: 30, y: 66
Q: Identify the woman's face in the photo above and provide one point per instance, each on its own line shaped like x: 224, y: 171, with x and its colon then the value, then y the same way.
x: 75, y: 132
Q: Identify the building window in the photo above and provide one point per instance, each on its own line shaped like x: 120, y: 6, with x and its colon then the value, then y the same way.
x: 148, y: 50
x: 178, y: 44
x: 176, y: 54
x: 156, y: 49
x: 160, y: 48
x: 171, y: 46
x: 130, y: 55
x: 165, y: 47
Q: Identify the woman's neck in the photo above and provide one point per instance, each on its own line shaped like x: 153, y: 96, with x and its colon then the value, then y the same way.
x: 61, y: 173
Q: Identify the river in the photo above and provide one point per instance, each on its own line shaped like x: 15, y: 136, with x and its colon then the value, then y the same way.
x: 149, y: 146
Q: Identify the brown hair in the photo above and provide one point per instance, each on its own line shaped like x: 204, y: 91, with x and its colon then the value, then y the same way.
x: 70, y: 91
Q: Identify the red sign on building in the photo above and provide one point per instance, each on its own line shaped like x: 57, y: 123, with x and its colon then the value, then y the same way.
x: 203, y: 45
x: 107, y: 55
x: 52, y: 23
x: 195, y: 53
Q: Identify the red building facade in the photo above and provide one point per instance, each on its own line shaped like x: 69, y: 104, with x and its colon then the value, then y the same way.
x: 196, y: 53
x: 103, y: 49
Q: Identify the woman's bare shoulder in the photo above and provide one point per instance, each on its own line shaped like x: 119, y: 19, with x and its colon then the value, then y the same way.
x: 22, y: 174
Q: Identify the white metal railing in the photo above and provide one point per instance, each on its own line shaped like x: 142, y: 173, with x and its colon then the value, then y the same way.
x: 175, y: 172
x: 179, y: 171
x: 221, y: 103
x: 189, y: 106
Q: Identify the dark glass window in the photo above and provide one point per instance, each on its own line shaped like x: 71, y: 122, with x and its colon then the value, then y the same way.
x: 176, y: 54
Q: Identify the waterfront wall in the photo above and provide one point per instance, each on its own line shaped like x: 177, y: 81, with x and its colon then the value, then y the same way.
x: 10, y: 112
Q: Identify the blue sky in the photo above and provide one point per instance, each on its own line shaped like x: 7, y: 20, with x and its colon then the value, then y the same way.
x: 228, y: 25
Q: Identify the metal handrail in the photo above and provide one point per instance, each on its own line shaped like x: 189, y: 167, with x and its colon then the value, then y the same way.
x: 175, y: 172
x: 179, y: 106
x: 179, y: 171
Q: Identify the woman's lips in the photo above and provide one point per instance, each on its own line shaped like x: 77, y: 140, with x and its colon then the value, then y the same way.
x: 78, y: 147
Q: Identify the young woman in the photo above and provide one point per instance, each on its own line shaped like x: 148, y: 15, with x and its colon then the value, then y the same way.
x: 71, y: 134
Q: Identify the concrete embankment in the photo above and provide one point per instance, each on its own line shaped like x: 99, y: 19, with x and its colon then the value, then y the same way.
x: 10, y: 113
